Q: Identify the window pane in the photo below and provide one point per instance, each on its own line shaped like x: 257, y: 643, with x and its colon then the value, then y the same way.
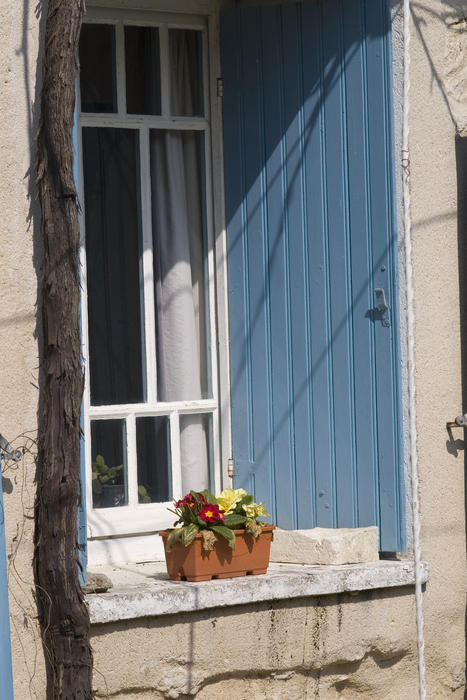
x: 180, y: 267
x: 154, y: 462
x: 196, y: 451
x: 186, y: 71
x: 112, y: 203
x: 109, y: 468
x: 142, y: 65
x: 97, y: 68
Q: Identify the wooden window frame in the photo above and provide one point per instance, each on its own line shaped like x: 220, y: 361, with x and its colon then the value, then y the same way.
x: 135, y: 518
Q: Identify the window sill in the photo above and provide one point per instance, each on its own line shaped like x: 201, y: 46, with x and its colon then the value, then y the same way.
x: 143, y: 590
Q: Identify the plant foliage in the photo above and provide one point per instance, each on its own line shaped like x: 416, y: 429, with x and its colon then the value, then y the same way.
x: 212, y: 515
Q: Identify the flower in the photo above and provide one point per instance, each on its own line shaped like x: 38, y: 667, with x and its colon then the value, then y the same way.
x: 211, y: 513
x: 213, y: 516
x: 255, y: 510
x: 229, y: 498
x: 189, y: 501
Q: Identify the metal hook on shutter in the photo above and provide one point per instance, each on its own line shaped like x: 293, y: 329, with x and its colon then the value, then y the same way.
x: 8, y: 451
x: 382, y: 307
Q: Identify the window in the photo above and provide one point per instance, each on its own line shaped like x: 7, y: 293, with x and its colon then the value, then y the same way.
x: 149, y: 307
x: 311, y: 237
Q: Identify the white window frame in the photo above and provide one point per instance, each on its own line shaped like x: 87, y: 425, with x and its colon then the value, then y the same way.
x: 135, y: 518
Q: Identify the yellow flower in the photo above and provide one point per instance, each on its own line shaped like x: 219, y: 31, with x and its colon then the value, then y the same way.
x: 256, y: 510
x: 229, y: 498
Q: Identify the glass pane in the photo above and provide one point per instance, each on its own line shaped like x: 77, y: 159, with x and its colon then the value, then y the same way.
x: 97, y: 68
x: 113, y: 249
x: 109, y: 467
x: 196, y: 451
x: 142, y: 65
x: 186, y: 73
x: 180, y: 265
x: 154, y: 461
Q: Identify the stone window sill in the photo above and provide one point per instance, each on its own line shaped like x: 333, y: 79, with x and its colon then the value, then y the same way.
x: 144, y: 590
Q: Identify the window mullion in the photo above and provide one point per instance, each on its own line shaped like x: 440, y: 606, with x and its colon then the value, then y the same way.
x: 132, y: 460
x: 176, y: 455
x: 157, y: 409
x: 211, y: 272
x: 165, y: 79
x: 148, y: 269
x: 223, y: 425
x: 120, y: 67
x: 141, y: 120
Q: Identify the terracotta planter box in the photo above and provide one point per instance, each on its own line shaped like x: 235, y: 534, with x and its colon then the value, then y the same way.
x: 193, y: 563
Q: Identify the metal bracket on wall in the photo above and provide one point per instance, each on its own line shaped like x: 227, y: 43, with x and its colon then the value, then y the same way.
x: 8, y: 451
x: 459, y: 422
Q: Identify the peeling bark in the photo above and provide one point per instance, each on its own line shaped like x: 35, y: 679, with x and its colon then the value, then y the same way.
x: 63, y: 615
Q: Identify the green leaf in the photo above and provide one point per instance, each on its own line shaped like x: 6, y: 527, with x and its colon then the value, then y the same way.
x: 233, y: 520
x: 189, y: 533
x: 174, y: 536
x: 226, y: 533
x: 246, y: 500
x: 209, y: 497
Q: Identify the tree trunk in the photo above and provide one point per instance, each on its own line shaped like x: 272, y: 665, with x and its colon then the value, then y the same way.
x: 63, y: 615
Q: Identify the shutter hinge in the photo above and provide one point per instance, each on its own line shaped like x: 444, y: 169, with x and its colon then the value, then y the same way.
x: 230, y: 468
x: 220, y: 87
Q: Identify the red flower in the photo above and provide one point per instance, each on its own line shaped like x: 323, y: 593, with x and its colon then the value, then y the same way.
x: 211, y: 513
x: 189, y: 501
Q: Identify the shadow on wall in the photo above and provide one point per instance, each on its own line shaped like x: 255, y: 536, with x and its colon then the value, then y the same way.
x: 32, y: 77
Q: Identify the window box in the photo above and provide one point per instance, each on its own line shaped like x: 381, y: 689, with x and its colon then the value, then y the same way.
x: 192, y: 563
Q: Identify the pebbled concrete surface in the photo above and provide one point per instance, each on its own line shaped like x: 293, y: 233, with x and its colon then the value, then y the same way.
x: 145, y: 591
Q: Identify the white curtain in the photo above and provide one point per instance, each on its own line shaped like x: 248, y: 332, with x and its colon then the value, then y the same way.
x: 177, y: 218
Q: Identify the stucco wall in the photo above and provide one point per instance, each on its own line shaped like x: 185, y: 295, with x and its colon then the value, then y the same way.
x: 363, y: 645
x: 437, y: 338
x: 19, y: 33
x: 335, y: 646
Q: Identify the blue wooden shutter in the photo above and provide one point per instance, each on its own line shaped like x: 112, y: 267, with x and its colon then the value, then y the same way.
x: 6, y: 674
x: 311, y: 236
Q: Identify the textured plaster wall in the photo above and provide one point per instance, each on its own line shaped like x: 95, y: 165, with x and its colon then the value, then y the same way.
x: 438, y: 54
x: 331, y: 647
x: 19, y: 32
